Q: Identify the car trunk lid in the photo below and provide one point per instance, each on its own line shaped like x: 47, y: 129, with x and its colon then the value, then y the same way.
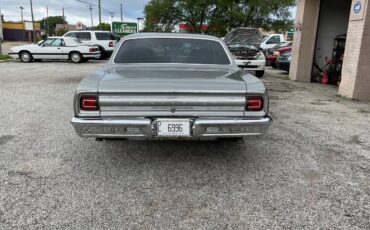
x: 172, y: 91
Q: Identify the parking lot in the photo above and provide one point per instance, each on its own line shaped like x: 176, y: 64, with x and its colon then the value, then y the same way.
x: 312, y: 171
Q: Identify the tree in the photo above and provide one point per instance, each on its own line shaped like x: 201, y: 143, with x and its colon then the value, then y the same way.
x: 103, y: 26
x: 219, y: 16
x: 53, y: 21
x: 161, y: 16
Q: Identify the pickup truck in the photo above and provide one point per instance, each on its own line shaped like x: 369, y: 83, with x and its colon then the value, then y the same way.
x: 271, y: 41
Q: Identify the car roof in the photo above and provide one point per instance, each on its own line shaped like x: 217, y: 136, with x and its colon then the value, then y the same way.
x: 171, y: 35
x: 75, y: 31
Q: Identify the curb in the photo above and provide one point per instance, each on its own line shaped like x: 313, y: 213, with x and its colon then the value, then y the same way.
x: 7, y: 60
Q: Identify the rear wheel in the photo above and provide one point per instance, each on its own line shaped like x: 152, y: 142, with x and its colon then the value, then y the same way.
x: 102, y: 54
x: 25, y: 56
x: 260, y: 73
x: 75, y: 57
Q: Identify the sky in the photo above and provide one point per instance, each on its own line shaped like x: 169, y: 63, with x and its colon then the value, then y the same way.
x: 74, y: 10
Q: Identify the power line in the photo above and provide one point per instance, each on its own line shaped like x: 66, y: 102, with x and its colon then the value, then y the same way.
x: 90, y: 8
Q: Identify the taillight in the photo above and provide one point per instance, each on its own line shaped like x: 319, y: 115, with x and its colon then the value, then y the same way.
x: 254, y: 104
x: 92, y: 50
x: 111, y: 44
x: 89, y: 103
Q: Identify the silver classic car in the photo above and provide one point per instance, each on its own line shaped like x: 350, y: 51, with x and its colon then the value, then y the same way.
x: 171, y: 86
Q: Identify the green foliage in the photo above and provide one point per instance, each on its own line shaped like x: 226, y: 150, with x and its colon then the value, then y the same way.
x: 4, y: 57
x: 61, y: 32
x: 50, y: 22
x: 103, y: 26
x: 219, y: 15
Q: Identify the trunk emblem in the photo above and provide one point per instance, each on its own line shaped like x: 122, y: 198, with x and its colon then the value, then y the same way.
x: 173, y: 110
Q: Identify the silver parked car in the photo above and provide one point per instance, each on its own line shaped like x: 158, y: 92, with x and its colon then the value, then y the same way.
x: 171, y: 86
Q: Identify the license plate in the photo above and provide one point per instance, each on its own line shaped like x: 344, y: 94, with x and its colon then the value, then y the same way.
x: 173, y: 127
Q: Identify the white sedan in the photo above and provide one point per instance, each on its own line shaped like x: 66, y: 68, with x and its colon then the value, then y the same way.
x: 62, y: 48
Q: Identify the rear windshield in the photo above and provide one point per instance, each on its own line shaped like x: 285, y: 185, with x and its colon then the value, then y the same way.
x: 172, y: 50
x: 104, y: 36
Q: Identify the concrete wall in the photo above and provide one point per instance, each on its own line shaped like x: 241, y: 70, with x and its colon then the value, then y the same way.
x: 304, y: 40
x: 333, y: 21
x: 356, y: 64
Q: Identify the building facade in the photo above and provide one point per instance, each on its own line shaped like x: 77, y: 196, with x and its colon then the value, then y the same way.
x: 319, y: 25
x: 20, y: 31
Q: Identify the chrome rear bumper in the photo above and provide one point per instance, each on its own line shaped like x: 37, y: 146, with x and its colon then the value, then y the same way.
x: 145, y: 128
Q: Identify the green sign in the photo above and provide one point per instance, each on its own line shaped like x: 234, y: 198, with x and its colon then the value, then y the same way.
x: 124, y: 28
x: 291, y: 32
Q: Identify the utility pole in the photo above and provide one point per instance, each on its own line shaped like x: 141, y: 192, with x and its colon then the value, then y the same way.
x: 92, y: 21
x: 33, y: 23
x: 121, y: 13
x: 111, y: 22
x: 47, y: 20
x: 99, y: 14
x: 90, y: 8
x: 21, y: 7
x: 64, y: 21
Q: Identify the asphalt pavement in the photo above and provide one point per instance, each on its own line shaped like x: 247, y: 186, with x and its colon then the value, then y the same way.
x: 312, y: 171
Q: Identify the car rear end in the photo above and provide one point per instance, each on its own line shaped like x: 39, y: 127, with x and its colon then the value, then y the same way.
x: 91, y: 52
x: 107, y: 40
x: 147, y: 96
x: 171, y: 116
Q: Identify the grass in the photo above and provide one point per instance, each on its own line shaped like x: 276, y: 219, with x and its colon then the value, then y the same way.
x: 4, y: 57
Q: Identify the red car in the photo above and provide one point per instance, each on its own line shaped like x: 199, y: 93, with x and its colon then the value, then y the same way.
x: 275, y: 52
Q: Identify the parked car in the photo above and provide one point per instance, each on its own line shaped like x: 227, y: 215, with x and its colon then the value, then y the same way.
x: 273, y: 53
x: 249, y: 57
x: 277, y: 54
x: 271, y: 41
x: 171, y: 86
x: 243, y: 43
x: 62, y: 48
x: 283, y: 61
x: 105, y: 40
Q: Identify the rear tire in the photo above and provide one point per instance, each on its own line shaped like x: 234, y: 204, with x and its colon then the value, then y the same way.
x: 25, y: 56
x: 102, y: 54
x: 260, y: 73
x: 75, y: 57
